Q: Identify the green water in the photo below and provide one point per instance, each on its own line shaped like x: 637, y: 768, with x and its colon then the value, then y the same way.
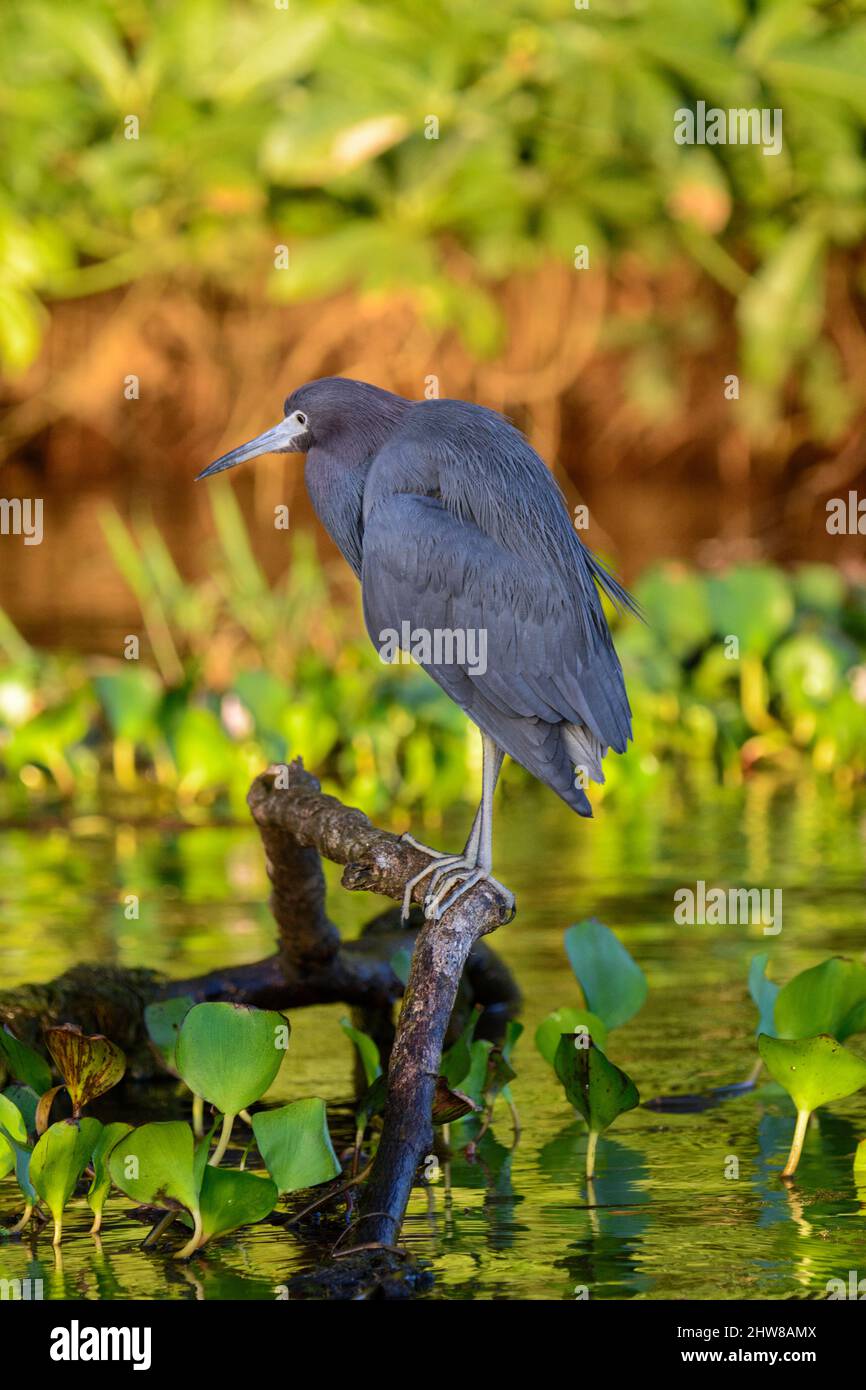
x: 664, y: 1221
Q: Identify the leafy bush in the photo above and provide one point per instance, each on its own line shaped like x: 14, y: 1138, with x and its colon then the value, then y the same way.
x: 308, y: 126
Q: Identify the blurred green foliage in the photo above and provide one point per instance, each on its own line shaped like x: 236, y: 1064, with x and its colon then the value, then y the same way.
x: 308, y: 126
x: 749, y: 667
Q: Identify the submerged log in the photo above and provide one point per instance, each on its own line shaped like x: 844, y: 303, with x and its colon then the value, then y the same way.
x: 99, y: 998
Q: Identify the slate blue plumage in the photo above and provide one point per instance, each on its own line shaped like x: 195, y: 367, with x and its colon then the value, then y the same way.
x: 452, y: 521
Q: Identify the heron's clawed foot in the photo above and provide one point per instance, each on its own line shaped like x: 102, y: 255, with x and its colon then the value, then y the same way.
x: 451, y: 881
x: 438, y: 863
x: 451, y: 875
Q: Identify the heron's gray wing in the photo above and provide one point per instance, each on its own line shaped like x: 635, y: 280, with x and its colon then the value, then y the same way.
x: 544, y: 676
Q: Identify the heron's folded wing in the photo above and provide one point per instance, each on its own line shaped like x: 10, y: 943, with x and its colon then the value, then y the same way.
x: 546, y: 659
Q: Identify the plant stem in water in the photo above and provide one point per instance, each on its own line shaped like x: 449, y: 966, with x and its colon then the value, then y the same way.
x: 225, y: 1136
x: 591, y: 1145
x: 515, y: 1121
x: 752, y: 1078
x: 790, y: 1167
x: 19, y: 1225
x: 198, y: 1117
x: 156, y: 1231
x: 195, y: 1238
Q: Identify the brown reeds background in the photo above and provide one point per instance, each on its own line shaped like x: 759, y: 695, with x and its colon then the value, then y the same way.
x: 685, y: 479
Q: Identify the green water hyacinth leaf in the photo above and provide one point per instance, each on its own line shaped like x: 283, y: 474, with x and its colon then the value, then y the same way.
x: 567, y: 1020
x: 819, y: 588
x: 57, y: 1162
x: 372, y: 1103
x: 474, y: 1083
x: 828, y: 998
x: 89, y: 1064
x: 814, y: 1071
x: 614, y: 986
x: 596, y: 1088
x: 367, y: 1050
x: 513, y: 1034
x: 295, y: 1144
x: 12, y: 1121
x: 764, y: 993
x: 499, y: 1074
x: 593, y: 1084
x: 24, y: 1063
x: 22, y: 1154
x: 101, y: 1185
x: 489, y: 1073
x: 231, y: 1053
x: 156, y: 1164
x: 229, y: 1200
x: 860, y: 1157
x: 162, y: 1021
x: 27, y: 1101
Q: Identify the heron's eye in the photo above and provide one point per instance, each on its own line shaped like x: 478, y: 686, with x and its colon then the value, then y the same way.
x: 300, y: 417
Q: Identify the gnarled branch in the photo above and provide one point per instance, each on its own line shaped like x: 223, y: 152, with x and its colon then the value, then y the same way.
x: 312, y: 965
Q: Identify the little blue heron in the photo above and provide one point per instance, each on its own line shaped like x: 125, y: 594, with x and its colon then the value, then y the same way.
x: 455, y: 526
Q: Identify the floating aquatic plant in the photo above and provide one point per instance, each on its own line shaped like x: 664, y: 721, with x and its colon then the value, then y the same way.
x: 230, y: 1054
x: 567, y: 1020
x: 57, y: 1162
x: 367, y: 1050
x: 13, y: 1124
x: 162, y: 1020
x: 229, y: 1199
x: 814, y: 1071
x: 90, y: 1065
x: 22, y: 1153
x: 295, y: 1144
x: 159, y: 1163
x: 613, y: 984
x: 764, y: 992
x: 100, y: 1187
x: 594, y: 1086
x: 827, y: 998
x: 24, y: 1063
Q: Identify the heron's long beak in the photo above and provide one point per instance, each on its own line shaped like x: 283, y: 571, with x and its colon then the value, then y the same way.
x: 275, y: 441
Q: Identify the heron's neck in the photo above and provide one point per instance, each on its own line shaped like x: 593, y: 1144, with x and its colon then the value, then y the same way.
x: 337, y: 493
x: 335, y: 475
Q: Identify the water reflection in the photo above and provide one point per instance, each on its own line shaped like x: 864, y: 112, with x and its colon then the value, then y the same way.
x: 664, y: 1219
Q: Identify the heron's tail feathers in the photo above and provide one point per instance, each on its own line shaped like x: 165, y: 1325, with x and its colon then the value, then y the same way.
x: 616, y: 592
x: 585, y: 750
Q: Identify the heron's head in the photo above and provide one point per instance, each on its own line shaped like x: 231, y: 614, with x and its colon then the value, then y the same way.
x: 333, y: 413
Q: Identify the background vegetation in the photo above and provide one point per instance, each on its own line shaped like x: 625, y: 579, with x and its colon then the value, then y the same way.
x: 554, y: 128
x: 749, y: 668
x: 261, y: 130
